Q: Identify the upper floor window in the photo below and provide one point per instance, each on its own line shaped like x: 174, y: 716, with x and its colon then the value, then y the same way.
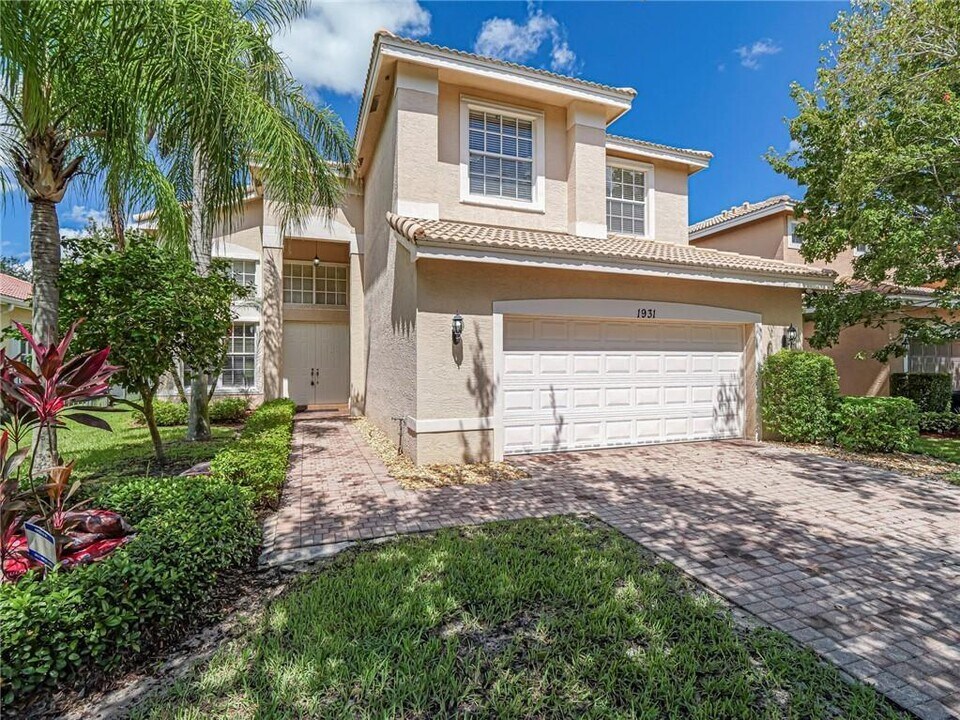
x: 628, y: 209
x: 245, y: 273
x: 502, y: 156
x: 793, y: 237
x: 859, y: 250
x: 308, y: 284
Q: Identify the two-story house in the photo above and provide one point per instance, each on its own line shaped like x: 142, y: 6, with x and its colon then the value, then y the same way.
x: 506, y: 276
x: 768, y: 229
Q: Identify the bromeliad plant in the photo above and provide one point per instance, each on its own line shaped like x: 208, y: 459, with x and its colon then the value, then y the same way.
x: 39, y: 401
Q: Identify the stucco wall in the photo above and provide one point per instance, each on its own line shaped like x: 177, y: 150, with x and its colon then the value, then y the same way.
x: 458, y: 382
x: 387, y: 389
x: 764, y: 238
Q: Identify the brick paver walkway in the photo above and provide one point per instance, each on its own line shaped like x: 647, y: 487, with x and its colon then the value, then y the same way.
x: 861, y: 564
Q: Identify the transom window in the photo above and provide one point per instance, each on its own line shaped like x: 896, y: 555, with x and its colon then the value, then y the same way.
x: 501, y: 156
x: 306, y: 284
x: 240, y: 366
x: 626, y: 200
x: 245, y: 273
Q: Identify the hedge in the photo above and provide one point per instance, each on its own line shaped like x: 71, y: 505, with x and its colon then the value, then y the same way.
x: 932, y: 392
x: 800, y: 393
x: 258, y: 460
x: 222, y: 410
x: 939, y: 423
x: 877, y: 424
x: 62, y: 629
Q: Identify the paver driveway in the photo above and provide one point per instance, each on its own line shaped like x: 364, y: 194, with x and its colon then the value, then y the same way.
x: 861, y: 564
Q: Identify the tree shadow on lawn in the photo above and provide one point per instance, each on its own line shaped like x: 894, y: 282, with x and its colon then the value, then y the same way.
x: 561, y: 617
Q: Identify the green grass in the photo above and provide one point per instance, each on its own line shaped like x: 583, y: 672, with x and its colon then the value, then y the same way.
x: 538, y: 618
x: 947, y: 449
x: 127, y: 450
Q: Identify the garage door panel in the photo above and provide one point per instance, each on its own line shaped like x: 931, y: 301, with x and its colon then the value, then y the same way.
x: 575, y: 384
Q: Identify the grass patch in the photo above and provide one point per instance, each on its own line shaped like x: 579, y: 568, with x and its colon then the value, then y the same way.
x: 559, y: 617
x: 128, y: 450
x: 946, y: 449
x: 417, y: 477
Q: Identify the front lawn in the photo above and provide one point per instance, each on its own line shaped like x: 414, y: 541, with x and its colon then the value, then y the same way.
x: 946, y: 449
x: 128, y: 451
x: 539, y: 618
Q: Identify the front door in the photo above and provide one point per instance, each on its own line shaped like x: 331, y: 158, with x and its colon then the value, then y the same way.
x: 316, y: 363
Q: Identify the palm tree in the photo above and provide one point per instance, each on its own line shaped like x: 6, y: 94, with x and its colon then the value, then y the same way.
x: 161, y: 103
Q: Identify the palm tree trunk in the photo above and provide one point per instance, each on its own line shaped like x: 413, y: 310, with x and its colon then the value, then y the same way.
x: 45, y: 254
x: 201, y: 249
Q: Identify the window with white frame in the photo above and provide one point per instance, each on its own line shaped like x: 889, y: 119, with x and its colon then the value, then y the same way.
x: 309, y: 284
x: 627, y: 200
x: 859, y: 250
x: 245, y: 273
x: 240, y: 366
x: 501, y: 155
x: 793, y: 237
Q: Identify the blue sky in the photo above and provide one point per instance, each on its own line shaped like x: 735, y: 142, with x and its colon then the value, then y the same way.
x: 708, y: 75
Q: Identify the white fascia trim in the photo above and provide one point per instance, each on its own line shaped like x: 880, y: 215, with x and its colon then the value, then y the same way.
x: 494, y: 257
x: 749, y: 217
x: 421, y: 426
x: 491, y: 70
x: 617, y: 308
x: 693, y: 161
x: 649, y: 191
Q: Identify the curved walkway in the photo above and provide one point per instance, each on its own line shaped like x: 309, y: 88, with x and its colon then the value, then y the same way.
x: 861, y: 564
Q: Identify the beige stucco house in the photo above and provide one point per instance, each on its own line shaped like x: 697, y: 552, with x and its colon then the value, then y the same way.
x: 767, y: 229
x: 15, y: 306
x: 507, y: 276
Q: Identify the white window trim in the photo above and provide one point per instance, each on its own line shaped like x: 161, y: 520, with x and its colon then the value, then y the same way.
x: 257, y: 278
x: 537, y: 204
x: 791, y: 243
x: 221, y: 387
x: 859, y: 250
x: 648, y: 198
x: 314, y: 305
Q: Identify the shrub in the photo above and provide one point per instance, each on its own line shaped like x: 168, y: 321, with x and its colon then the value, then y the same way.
x: 939, y: 423
x: 228, y: 410
x: 189, y: 530
x: 932, y: 392
x: 167, y: 413
x: 258, y: 460
x: 877, y: 424
x: 800, y: 393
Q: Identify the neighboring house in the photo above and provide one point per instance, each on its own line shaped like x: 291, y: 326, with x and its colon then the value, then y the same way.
x: 506, y: 276
x: 767, y: 229
x: 15, y: 297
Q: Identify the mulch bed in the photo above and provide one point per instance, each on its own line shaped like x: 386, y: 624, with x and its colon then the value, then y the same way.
x: 920, y: 466
x: 420, y: 477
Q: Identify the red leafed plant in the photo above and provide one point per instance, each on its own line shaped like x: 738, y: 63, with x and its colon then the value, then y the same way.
x: 40, y: 400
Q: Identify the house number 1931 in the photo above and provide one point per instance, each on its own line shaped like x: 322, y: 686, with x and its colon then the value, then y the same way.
x: 646, y: 313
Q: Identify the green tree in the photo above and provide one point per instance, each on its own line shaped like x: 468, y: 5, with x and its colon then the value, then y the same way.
x: 12, y: 266
x: 150, y: 307
x: 158, y: 104
x: 877, y: 143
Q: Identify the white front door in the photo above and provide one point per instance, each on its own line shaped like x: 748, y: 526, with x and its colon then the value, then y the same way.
x: 316, y: 363
x: 583, y: 383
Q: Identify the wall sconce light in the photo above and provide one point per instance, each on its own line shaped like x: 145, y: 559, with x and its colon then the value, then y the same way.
x: 789, y: 341
x: 316, y: 261
x: 457, y: 329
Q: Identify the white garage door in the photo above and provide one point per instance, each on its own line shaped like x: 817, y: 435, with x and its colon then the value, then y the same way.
x: 573, y: 384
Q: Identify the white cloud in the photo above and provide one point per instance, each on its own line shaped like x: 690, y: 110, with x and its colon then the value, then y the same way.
x: 750, y: 55
x: 329, y: 47
x: 81, y: 215
x: 68, y: 233
x: 507, y: 39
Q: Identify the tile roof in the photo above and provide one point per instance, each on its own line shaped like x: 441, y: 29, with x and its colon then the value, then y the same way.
x: 11, y: 287
x: 505, y: 63
x: 884, y: 287
x: 740, y: 211
x: 613, y: 248
x: 705, y: 154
